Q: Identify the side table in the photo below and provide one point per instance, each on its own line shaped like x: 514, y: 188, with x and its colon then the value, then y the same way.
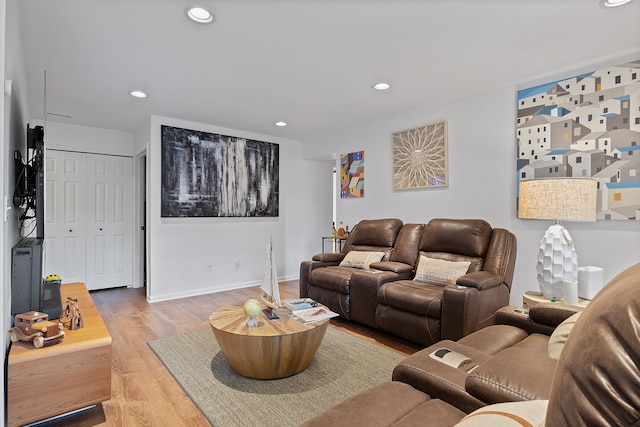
x: 336, y: 243
x: 533, y: 298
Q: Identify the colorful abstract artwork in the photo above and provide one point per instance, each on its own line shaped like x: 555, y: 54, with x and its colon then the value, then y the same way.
x: 587, y: 125
x: 210, y: 175
x: 420, y: 157
x: 352, y: 175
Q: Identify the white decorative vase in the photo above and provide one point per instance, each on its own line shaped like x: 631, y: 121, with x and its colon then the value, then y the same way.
x: 557, y: 262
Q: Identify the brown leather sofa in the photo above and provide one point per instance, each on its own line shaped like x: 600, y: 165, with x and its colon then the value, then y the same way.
x: 385, y: 295
x: 497, y: 355
x: 594, y: 382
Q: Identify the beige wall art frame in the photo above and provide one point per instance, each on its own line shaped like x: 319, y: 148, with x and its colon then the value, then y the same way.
x: 420, y: 157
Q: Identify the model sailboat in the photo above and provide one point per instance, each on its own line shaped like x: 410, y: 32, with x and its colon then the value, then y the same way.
x: 270, y: 294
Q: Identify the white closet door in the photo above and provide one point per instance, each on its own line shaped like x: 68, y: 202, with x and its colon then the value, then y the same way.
x: 109, y: 221
x: 65, y: 220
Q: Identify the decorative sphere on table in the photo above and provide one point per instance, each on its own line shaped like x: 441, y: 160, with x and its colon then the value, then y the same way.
x: 252, y: 308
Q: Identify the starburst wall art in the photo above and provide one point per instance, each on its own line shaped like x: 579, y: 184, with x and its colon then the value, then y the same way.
x: 420, y: 157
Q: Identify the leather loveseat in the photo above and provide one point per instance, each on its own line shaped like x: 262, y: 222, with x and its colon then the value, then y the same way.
x: 403, y: 280
x: 594, y: 382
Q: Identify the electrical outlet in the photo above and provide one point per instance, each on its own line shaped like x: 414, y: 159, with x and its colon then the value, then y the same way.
x: 210, y: 266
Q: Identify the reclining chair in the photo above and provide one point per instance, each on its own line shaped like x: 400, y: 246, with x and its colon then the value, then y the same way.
x: 428, y: 309
x: 329, y: 283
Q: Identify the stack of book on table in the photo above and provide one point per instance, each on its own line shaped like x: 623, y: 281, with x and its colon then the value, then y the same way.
x: 306, y: 310
x: 300, y: 304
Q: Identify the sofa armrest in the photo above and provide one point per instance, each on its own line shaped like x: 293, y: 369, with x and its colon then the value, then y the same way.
x: 518, y: 317
x: 306, y: 267
x: 480, y: 280
x: 466, y: 309
x: 541, y: 319
x: 439, y: 380
x: 329, y: 257
x: 364, y: 294
x: 552, y: 314
x: 405, y: 271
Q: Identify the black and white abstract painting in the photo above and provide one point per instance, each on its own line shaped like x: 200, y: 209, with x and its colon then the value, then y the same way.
x: 210, y: 175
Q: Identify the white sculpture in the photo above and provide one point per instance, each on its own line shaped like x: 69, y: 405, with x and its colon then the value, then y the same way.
x: 557, y: 262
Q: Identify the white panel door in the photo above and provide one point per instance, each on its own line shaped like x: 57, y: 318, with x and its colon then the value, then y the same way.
x: 109, y: 221
x: 65, y: 220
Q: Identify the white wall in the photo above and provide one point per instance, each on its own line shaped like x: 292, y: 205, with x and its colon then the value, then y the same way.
x: 180, y: 248
x: 14, y: 113
x: 62, y: 136
x: 4, y: 307
x: 15, y: 117
x: 482, y: 180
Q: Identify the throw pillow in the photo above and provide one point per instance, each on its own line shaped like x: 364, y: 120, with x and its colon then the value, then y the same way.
x: 439, y: 271
x: 360, y: 259
x: 530, y: 413
x: 560, y: 335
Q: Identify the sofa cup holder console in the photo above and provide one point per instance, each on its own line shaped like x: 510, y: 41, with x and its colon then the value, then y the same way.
x: 450, y: 358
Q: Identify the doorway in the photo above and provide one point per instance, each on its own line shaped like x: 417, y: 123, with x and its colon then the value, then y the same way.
x: 141, y: 221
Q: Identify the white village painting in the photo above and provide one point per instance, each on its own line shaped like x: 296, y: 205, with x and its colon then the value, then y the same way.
x: 210, y: 175
x: 587, y: 125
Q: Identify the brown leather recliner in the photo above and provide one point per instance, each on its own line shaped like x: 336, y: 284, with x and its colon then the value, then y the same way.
x: 424, y: 312
x: 595, y: 382
x: 324, y: 280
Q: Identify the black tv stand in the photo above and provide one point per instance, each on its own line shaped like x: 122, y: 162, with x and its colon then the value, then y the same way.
x: 28, y: 291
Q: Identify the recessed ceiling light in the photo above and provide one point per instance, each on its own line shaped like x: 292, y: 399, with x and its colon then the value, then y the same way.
x: 138, y: 94
x: 281, y: 124
x: 614, y: 3
x: 381, y: 86
x: 200, y: 15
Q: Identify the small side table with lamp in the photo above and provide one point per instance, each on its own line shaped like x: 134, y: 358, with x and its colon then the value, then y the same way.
x: 568, y: 199
x: 533, y: 298
x: 590, y: 282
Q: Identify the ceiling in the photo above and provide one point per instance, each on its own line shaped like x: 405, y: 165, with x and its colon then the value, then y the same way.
x: 310, y: 63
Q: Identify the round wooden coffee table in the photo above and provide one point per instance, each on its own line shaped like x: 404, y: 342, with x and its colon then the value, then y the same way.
x: 273, y: 349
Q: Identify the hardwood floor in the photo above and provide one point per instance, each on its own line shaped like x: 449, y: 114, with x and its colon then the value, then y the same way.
x: 143, y: 392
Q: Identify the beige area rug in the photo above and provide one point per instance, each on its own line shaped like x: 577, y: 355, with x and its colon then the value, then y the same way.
x: 343, y: 366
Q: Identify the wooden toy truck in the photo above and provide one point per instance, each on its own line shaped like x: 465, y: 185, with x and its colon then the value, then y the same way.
x: 35, y: 326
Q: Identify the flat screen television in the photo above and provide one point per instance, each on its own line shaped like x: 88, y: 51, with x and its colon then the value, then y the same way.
x: 29, y: 180
x: 28, y: 290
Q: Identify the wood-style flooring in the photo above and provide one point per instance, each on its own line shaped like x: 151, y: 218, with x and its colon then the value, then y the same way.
x: 143, y: 392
